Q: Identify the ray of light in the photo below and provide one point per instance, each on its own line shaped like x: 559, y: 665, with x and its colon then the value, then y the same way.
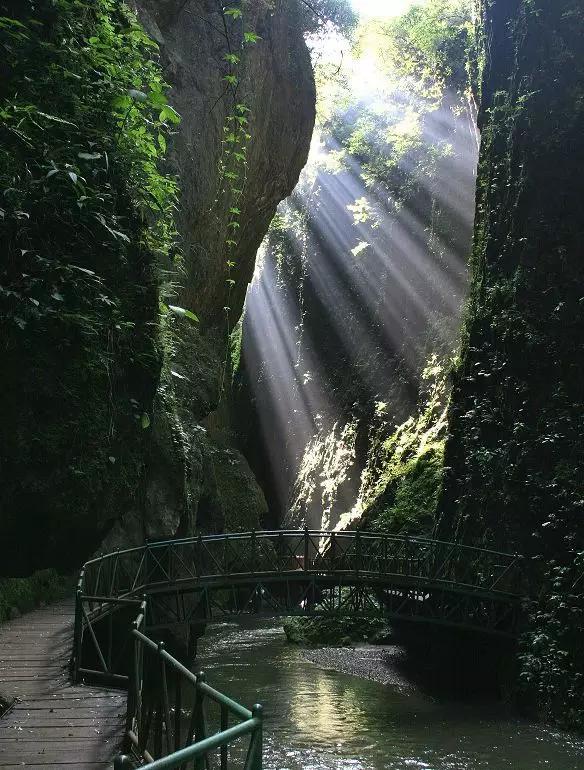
x: 375, y: 285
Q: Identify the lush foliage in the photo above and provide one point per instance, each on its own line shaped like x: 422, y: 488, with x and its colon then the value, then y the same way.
x: 319, y: 16
x: 85, y: 218
x: 514, y: 457
x: 432, y: 45
x: 18, y: 595
x: 337, y: 632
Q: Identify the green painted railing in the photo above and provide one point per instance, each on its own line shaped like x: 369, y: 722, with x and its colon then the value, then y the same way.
x: 191, y: 581
x: 155, y: 728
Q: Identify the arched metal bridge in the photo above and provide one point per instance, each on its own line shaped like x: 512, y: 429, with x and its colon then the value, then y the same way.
x: 192, y: 581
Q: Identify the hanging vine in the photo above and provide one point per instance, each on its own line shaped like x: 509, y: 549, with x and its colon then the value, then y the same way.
x: 234, y: 145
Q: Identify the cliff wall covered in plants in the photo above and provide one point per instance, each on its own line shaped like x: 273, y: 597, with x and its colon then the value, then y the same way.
x: 514, y: 454
x: 141, y: 160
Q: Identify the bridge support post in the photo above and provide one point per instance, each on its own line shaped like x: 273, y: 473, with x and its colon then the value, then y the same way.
x: 78, y: 635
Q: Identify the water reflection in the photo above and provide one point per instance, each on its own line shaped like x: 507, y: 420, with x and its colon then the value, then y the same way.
x: 317, y: 719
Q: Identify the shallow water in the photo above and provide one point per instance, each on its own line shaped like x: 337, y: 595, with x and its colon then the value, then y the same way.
x: 317, y: 719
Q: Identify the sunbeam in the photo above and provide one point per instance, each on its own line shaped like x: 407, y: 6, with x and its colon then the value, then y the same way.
x: 361, y: 279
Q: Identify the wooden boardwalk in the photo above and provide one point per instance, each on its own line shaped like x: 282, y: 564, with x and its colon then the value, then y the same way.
x: 53, y: 723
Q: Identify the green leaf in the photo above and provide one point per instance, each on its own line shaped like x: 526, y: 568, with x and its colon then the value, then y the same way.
x: 232, y: 58
x: 121, y: 102
x: 162, y: 143
x: 235, y: 13
x: 169, y: 114
x: 157, y: 99
x: 89, y: 155
x: 183, y: 312
x: 250, y: 37
x: 231, y: 79
x: 145, y: 420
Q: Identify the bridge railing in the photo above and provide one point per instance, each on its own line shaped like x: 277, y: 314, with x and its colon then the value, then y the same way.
x: 125, y: 574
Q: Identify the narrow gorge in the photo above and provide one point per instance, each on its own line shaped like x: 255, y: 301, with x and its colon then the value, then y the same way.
x: 306, y: 275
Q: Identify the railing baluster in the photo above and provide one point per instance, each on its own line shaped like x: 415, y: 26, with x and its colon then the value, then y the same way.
x: 158, y: 730
x: 224, y: 726
x: 177, y: 710
x: 253, y: 552
x: 165, y: 700
x: 200, y: 727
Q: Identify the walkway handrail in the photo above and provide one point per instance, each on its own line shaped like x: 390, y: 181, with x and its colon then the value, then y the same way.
x: 160, y: 725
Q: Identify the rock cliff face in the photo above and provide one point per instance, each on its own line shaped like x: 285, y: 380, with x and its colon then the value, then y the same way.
x: 514, y: 456
x: 276, y: 83
x: 195, y: 476
x: 168, y: 465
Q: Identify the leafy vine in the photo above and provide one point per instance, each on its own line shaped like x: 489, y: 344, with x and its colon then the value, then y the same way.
x: 234, y: 145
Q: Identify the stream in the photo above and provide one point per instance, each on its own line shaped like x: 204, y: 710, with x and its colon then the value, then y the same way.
x: 320, y: 719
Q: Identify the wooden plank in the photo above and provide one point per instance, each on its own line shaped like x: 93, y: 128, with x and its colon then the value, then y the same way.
x: 53, y: 724
x: 97, y: 720
x: 54, y: 714
x: 58, y: 756
x: 61, y: 763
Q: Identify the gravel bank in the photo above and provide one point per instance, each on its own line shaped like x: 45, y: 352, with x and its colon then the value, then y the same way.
x: 375, y: 662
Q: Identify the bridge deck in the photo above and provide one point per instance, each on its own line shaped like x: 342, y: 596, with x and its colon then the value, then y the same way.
x: 53, y: 723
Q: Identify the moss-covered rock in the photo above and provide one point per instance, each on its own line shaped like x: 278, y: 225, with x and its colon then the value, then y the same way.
x: 343, y: 631
x: 409, y: 496
x: 514, y: 455
x: 87, y: 218
x: 402, y: 481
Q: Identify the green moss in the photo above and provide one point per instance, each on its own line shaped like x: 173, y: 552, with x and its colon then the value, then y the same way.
x: 403, y: 480
x: 239, y: 496
x: 411, y: 494
x: 24, y: 594
x: 339, y: 631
